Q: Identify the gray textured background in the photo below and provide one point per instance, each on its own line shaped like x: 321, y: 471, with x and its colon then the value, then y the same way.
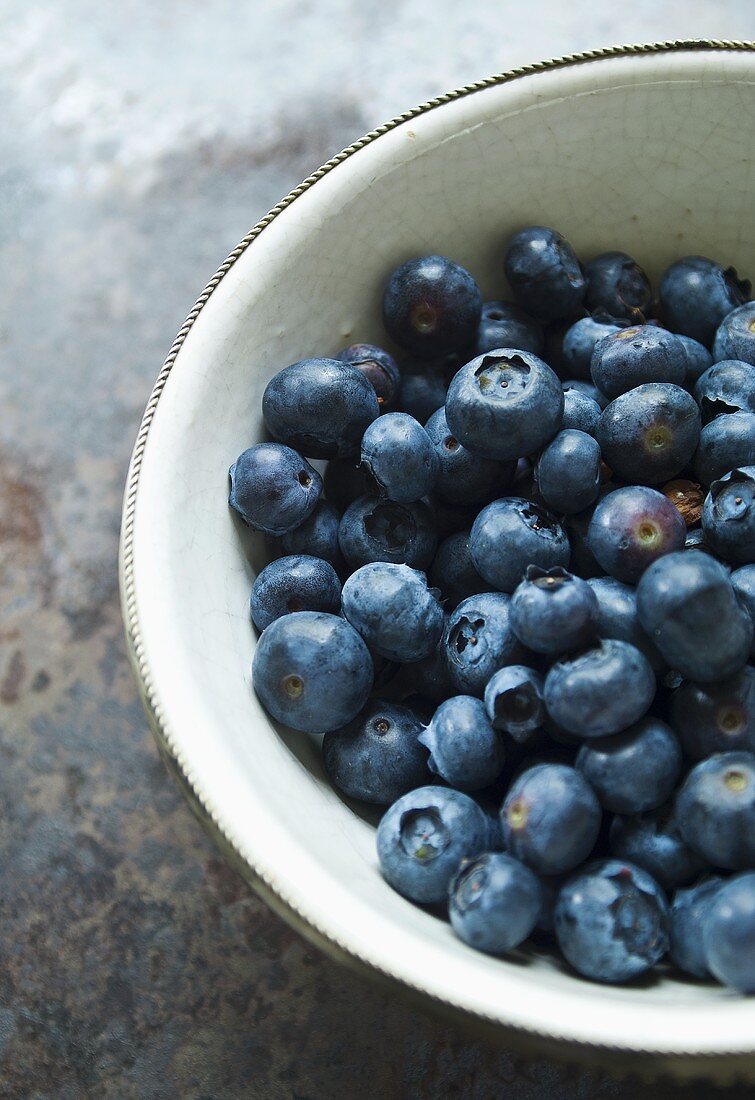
x: 139, y: 141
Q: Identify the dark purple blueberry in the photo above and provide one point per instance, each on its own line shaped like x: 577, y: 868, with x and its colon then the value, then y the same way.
x: 505, y: 404
x: 273, y: 489
x: 717, y: 717
x: 649, y: 434
x: 581, y: 412
x: 635, y: 770
x: 728, y: 929
x: 725, y: 443
x: 494, y: 902
x: 715, y: 810
x: 635, y: 356
x: 633, y: 527
x: 514, y: 701
x: 479, y: 640
x: 312, y: 671
x: 579, y: 343
x: 612, y: 921
x: 505, y: 325
x: 320, y: 407
x: 464, y: 477
x: 568, y: 471
x: 377, y: 757
x: 544, y: 273
x: 617, y: 617
x: 453, y: 571
x: 423, y: 391
x: 423, y: 837
x: 698, y: 359
x: 379, y: 368
x: 729, y: 516
x: 552, y: 611
x: 601, y: 690
x: 379, y: 530
x: 395, y: 612
x: 688, y: 607
x: 617, y: 285
x: 550, y: 819
x: 726, y: 387
x: 735, y: 336
x: 400, y: 456
x: 464, y: 748
x: 653, y: 842
x: 512, y: 533
x: 431, y: 306
x: 295, y: 583
x: 697, y: 293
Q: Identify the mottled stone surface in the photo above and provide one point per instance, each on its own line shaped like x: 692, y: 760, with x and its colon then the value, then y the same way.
x: 139, y: 142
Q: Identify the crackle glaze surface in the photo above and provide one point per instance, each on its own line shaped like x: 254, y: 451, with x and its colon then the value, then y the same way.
x: 456, y: 179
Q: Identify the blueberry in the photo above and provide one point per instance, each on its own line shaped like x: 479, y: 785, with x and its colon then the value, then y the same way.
x: 725, y: 443
x: 633, y: 527
x: 568, y: 471
x: 650, y: 433
x: 580, y: 412
x: 601, y: 690
x: 431, y: 305
x: 735, y: 337
x: 400, y: 456
x: 550, y: 819
x: 688, y: 607
x: 375, y: 530
x: 617, y: 285
x: 422, y: 838
x: 715, y: 810
x: 726, y: 387
x: 653, y: 842
x: 494, y: 902
x: 617, y: 617
x: 312, y: 671
x: 612, y: 921
x: 319, y: 406
x: 743, y: 583
x: 377, y: 757
x: 479, y: 640
x: 688, y: 913
x: 635, y: 356
x: 453, y: 570
x: 464, y: 748
x: 514, y: 701
x: 505, y: 325
x: 512, y: 533
x: 635, y: 770
x: 378, y: 367
x: 424, y: 386
x: 273, y: 488
x: 464, y: 477
x: 317, y: 535
x: 544, y: 273
x: 430, y: 677
x: 698, y: 359
x: 552, y: 611
x: 295, y: 583
x: 728, y: 928
x: 505, y: 404
x: 697, y: 293
x: 579, y: 343
x: 589, y: 389
x: 392, y: 608
x: 729, y: 516
x: 345, y: 479
x: 717, y: 717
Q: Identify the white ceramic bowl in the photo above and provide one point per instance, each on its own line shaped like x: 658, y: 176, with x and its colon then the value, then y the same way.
x: 648, y: 149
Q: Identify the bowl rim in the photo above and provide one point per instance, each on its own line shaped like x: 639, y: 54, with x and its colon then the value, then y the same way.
x: 722, y: 1065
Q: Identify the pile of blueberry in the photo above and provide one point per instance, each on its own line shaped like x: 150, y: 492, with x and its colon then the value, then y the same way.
x: 519, y: 603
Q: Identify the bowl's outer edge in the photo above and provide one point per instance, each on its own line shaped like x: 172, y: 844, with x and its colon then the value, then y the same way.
x: 693, y: 1065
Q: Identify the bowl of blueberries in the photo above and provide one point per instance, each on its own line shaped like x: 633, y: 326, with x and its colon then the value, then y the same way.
x: 438, y: 557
